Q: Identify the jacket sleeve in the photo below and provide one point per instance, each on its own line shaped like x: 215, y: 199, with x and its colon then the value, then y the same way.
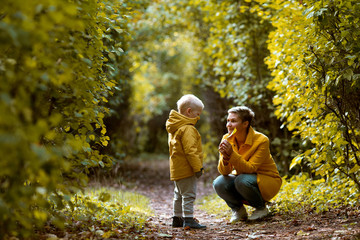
x: 251, y: 166
x: 222, y: 168
x: 191, y: 142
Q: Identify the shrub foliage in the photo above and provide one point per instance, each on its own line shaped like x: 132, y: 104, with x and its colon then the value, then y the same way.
x: 315, y: 63
x: 56, y: 74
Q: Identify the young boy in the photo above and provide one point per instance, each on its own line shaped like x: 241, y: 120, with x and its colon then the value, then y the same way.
x: 186, y: 158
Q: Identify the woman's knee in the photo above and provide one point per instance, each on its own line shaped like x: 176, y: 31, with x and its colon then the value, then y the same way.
x: 245, y: 181
x: 218, y: 182
x: 221, y: 183
x: 224, y: 184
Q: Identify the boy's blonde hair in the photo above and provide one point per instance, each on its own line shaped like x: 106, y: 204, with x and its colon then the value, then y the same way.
x: 189, y: 101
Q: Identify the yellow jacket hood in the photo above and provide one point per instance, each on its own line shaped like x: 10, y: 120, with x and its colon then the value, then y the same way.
x: 177, y: 120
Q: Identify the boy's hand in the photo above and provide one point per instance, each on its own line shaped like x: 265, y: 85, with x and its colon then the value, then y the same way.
x: 198, y: 174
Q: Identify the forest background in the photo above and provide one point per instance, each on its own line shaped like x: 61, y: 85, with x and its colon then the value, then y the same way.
x: 88, y: 85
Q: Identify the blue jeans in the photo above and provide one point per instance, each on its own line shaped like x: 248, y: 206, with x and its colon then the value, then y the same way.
x: 239, y: 190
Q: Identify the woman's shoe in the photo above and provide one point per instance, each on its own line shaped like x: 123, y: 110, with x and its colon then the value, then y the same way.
x: 259, y: 213
x: 238, y: 215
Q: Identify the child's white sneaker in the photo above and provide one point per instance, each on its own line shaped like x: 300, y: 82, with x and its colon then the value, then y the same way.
x: 239, y: 215
x: 259, y: 213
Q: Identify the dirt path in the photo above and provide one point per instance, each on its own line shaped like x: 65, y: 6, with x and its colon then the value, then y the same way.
x: 154, y: 183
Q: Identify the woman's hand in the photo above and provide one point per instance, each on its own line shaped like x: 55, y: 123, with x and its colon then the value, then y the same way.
x: 225, y: 149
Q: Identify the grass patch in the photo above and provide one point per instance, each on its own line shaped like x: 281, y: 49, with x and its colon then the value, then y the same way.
x: 214, y: 205
x: 105, y: 212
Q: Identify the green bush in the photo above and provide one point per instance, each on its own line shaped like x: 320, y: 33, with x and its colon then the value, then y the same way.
x: 314, y: 59
x: 54, y: 84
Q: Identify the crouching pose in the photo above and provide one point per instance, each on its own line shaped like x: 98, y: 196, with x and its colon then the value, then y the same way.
x: 248, y: 172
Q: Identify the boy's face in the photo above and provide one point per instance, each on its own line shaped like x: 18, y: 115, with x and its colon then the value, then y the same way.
x: 193, y: 112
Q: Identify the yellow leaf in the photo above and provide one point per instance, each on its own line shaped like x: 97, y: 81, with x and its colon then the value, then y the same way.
x: 231, y: 137
x: 101, y: 115
x: 40, y: 215
x: 105, y: 143
x: 302, y: 233
x: 356, y: 168
x: 31, y: 63
x: 110, y: 84
x: 107, y: 234
x: 50, y: 135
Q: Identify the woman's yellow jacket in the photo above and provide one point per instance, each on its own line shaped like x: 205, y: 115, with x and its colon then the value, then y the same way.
x: 186, y: 156
x: 254, y: 157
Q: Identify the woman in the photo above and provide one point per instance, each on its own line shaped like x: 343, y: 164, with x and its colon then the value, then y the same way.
x: 248, y: 172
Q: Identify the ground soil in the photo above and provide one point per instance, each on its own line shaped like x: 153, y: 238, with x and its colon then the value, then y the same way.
x: 151, y: 178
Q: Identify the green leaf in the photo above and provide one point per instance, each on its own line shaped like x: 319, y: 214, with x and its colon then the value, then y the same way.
x: 104, y: 197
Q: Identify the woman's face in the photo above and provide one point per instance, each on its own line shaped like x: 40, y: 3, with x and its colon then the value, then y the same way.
x: 233, y: 121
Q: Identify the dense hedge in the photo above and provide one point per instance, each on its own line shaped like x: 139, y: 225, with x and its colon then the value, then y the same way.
x: 57, y: 67
x: 315, y: 61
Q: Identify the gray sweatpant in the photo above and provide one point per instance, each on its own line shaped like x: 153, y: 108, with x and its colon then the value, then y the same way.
x: 184, y: 197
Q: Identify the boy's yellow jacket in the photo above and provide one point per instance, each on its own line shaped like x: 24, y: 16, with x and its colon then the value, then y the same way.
x: 186, y: 157
x: 254, y: 157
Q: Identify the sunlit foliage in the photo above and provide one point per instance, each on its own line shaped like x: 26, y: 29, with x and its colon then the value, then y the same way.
x: 55, y: 80
x: 162, y: 71
x: 315, y: 63
x: 66, y: 77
